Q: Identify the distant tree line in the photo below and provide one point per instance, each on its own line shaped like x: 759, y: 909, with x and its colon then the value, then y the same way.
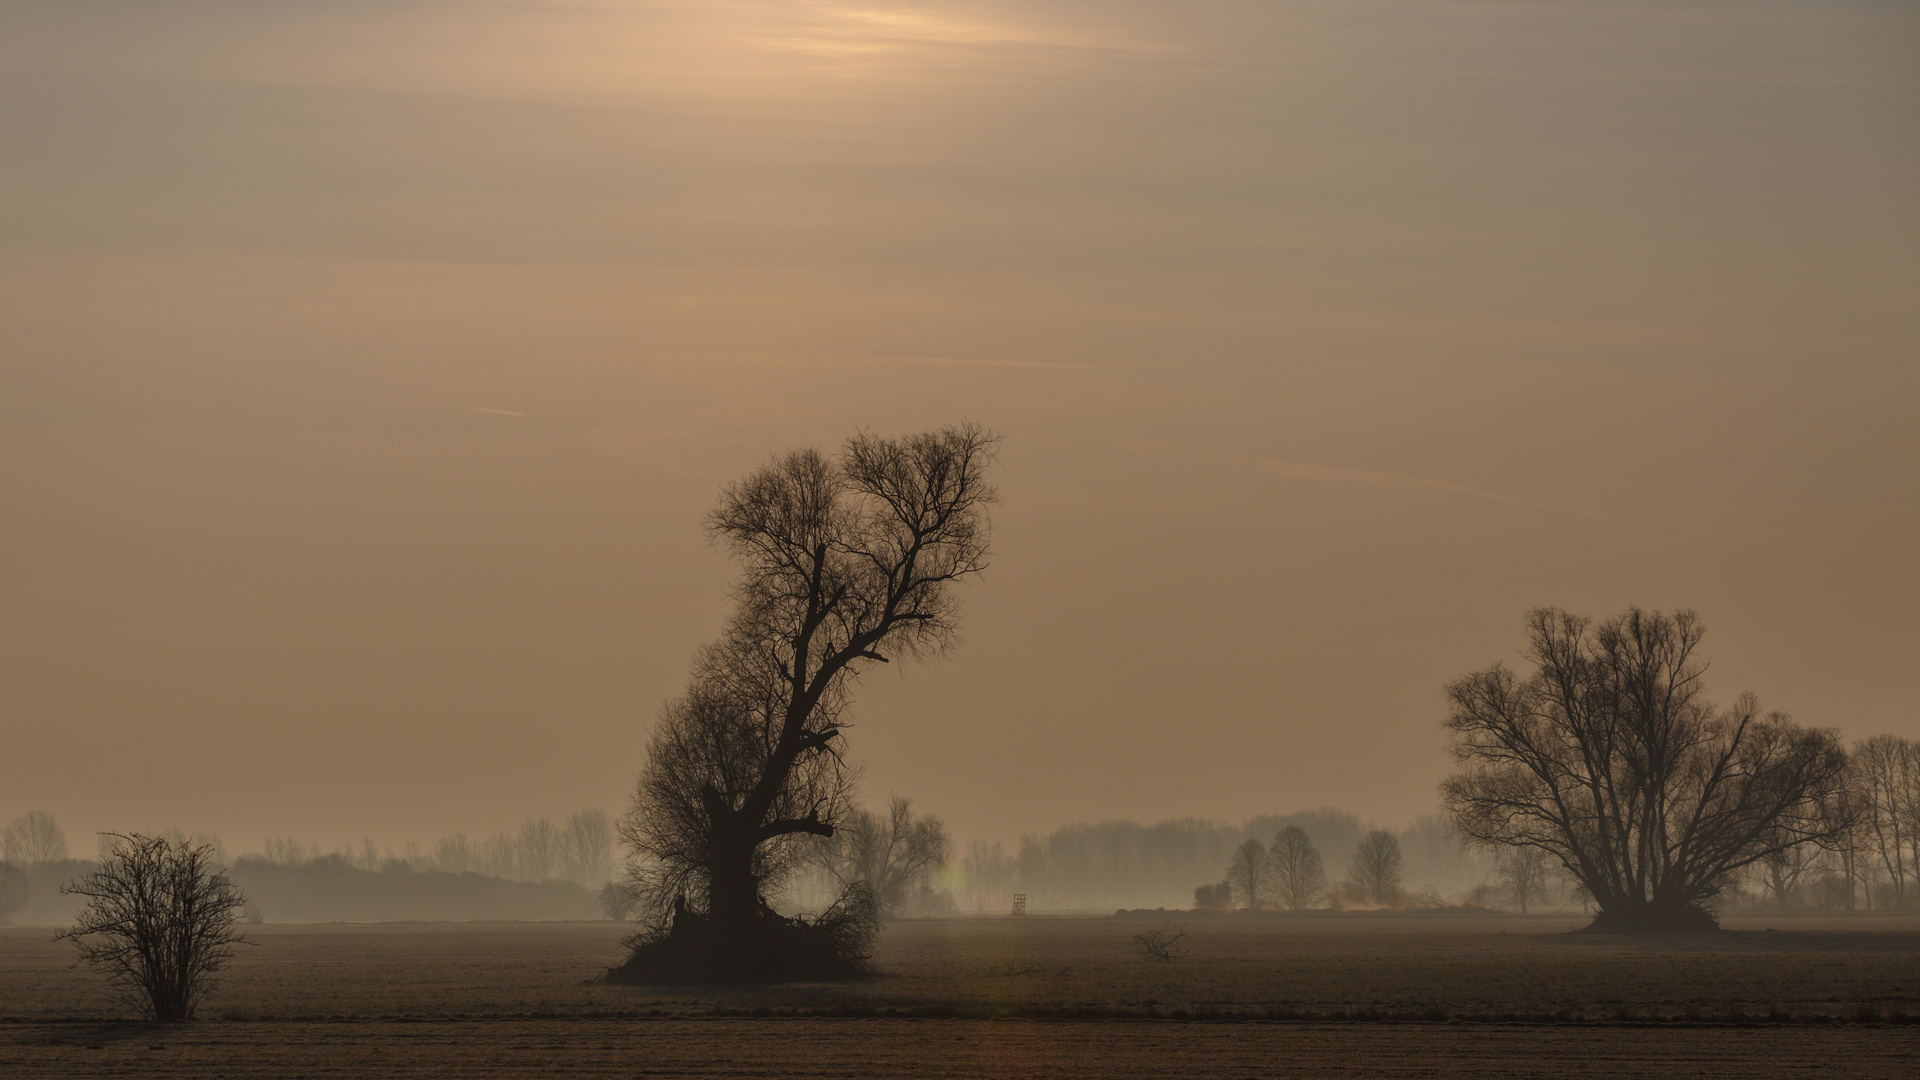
x: 578, y: 849
x: 1125, y: 864
x: 293, y: 881
x: 1290, y: 875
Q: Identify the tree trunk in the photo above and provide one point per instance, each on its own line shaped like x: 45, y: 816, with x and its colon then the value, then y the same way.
x: 733, y: 890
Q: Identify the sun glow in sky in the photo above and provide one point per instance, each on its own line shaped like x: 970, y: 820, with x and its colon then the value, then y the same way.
x: 369, y: 367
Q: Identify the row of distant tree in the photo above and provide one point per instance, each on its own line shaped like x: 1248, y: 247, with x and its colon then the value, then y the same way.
x: 1874, y: 864
x: 1291, y: 875
x: 304, y: 882
x: 910, y: 862
x: 579, y: 848
x: 1126, y: 864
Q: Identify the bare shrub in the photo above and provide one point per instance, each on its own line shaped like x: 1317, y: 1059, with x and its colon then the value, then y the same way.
x: 160, y: 919
x: 1160, y: 942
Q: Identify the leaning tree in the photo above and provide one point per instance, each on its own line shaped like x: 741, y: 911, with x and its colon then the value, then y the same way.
x: 1609, y: 759
x: 848, y: 560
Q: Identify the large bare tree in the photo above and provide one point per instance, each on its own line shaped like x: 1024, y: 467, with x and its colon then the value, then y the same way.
x: 848, y: 560
x: 1609, y: 758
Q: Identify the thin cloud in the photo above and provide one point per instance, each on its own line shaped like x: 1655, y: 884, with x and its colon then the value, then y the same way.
x: 844, y: 30
x: 498, y: 412
x: 1328, y: 474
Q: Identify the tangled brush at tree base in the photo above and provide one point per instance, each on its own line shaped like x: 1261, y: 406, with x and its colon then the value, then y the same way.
x: 1653, y: 918
x: 694, y: 947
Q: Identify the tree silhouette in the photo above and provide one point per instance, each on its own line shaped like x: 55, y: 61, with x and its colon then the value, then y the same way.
x: 1610, y: 760
x: 1299, y: 875
x: 160, y: 918
x: 1247, y: 880
x: 1374, y: 871
x: 848, y: 561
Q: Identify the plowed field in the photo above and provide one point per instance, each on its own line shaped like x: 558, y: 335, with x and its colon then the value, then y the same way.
x: 1040, y: 997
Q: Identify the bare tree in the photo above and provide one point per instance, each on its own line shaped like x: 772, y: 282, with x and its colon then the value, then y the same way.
x: 891, y: 854
x: 1610, y: 760
x: 1299, y: 875
x: 587, y: 846
x: 1886, y: 775
x: 1374, y: 870
x: 1247, y: 879
x: 1782, y: 871
x: 540, y: 848
x: 453, y: 854
x: 33, y: 839
x: 1525, y: 874
x: 849, y: 561
x: 160, y: 918
x: 987, y: 872
x: 497, y: 856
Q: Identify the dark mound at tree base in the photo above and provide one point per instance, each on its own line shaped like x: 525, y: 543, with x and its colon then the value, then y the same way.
x: 1653, y: 919
x: 697, y: 948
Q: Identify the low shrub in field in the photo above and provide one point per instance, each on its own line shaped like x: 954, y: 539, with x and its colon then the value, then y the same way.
x: 1653, y: 918
x: 693, y: 947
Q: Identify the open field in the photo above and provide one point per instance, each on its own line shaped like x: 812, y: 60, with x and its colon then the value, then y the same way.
x: 1372, y: 996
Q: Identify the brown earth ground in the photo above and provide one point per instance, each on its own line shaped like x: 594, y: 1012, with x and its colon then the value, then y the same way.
x: 1383, y: 996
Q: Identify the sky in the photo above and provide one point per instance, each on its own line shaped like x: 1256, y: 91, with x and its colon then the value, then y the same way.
x: 368, y: 368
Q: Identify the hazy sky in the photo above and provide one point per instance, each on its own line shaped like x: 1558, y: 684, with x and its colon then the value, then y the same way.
x: 366, y: 369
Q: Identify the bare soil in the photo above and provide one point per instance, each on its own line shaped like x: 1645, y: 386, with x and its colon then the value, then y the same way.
x: 1381, y: 996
